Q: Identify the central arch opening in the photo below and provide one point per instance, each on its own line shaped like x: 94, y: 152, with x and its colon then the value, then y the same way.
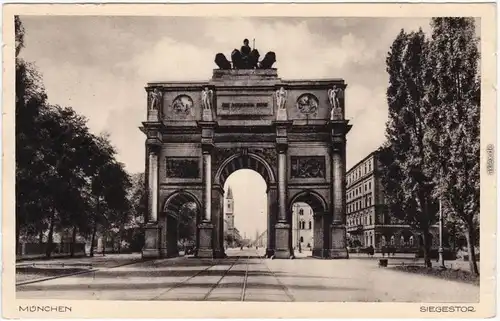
x: 247, y: 228
x: 245, y: 213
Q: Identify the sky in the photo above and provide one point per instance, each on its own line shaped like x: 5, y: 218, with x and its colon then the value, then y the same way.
x: 99, y: 66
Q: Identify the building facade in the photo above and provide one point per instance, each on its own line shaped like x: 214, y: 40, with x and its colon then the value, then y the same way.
x: 368, y: 221
x: 261, y: 239
x: 302, y: 226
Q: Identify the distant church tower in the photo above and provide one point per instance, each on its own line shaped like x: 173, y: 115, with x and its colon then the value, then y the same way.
x: 230, y: 210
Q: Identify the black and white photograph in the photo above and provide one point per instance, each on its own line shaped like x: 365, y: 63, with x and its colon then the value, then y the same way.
x: 252, y: 158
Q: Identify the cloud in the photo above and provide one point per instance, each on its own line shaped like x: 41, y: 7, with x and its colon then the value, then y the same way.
x: 99, y: 65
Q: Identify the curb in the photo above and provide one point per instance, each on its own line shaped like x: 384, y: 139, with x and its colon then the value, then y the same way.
x: 75, y: 273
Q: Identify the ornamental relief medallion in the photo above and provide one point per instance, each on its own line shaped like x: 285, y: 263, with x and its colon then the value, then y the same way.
x: 308, y: 167
x: 307, y: 104
x: 183, y: 105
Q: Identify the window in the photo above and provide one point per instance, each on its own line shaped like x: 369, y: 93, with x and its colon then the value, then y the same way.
x: 370, y: 220
x: 402, y: 240
x: 301, y: 211
x: 301, y: 239
x: 302, y: 225
x: 370, y: 185
x: 382, y: 240
x: 393, y: 240
x: 310, y: 225
x: 411, y: 240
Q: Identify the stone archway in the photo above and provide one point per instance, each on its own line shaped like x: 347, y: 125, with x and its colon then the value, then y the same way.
x: 292, y: 132
x: 243, y: 159
x: 175, y: 208
x: 321, y: 220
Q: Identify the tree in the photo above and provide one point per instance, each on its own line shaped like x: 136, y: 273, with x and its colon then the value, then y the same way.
x: 109, y: 184
x: 66, y: 178
x: 30, y: 106
x: 187, y: 222
x: 453, y: 87
x: 407, y: 175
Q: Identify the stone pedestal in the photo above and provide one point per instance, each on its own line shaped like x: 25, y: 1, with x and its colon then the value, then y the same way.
x: 338, y: 249
x: 153, y: 115
x: 283, y: 236
x: 205, y: 243
x: 207, y: 115
x: 152, y: 234
x: 281, y: 114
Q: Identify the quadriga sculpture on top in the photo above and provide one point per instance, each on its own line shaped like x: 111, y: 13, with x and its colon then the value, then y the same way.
x: 245, y: 58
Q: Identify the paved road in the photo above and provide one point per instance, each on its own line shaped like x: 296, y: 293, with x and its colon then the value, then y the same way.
x: 244, y: 276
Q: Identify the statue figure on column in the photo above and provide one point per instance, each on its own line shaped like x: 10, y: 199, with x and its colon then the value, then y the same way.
x: 155, y: 99
x: 207, y: 98
x: 281, y: 98
x: 334, y: 96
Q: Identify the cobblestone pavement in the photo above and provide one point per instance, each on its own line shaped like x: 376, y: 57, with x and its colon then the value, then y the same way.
x: 245, y: 276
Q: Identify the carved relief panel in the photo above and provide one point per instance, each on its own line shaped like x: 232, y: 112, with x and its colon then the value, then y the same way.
x: 308, y: 167
x: 183, y: 167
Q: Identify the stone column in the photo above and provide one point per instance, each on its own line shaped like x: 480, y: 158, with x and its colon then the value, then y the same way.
x: 206, y: 237
x: 207, y: 186
x: 272, y: 212
x: 218, y: 220
x: 338, y: 248
x: 152, y: 236
x: 283, y: 227
x: 153, y: 186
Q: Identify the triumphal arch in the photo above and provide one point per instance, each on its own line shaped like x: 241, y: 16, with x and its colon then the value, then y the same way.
x: 291, y: 132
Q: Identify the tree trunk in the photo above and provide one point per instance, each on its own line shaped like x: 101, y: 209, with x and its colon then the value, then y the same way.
x: 19, y: 250
x: 40, y: 237
x: 426, y: 248
x: 73, y: 242
x: 92, y: 240
x: 50, y: 238
x: 470, y: 249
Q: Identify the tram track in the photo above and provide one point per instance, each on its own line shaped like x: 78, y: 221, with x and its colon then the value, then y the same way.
x: 283, y: 287
x: 179, y: 284
x: 245, y: 279
x: 226, y: 272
